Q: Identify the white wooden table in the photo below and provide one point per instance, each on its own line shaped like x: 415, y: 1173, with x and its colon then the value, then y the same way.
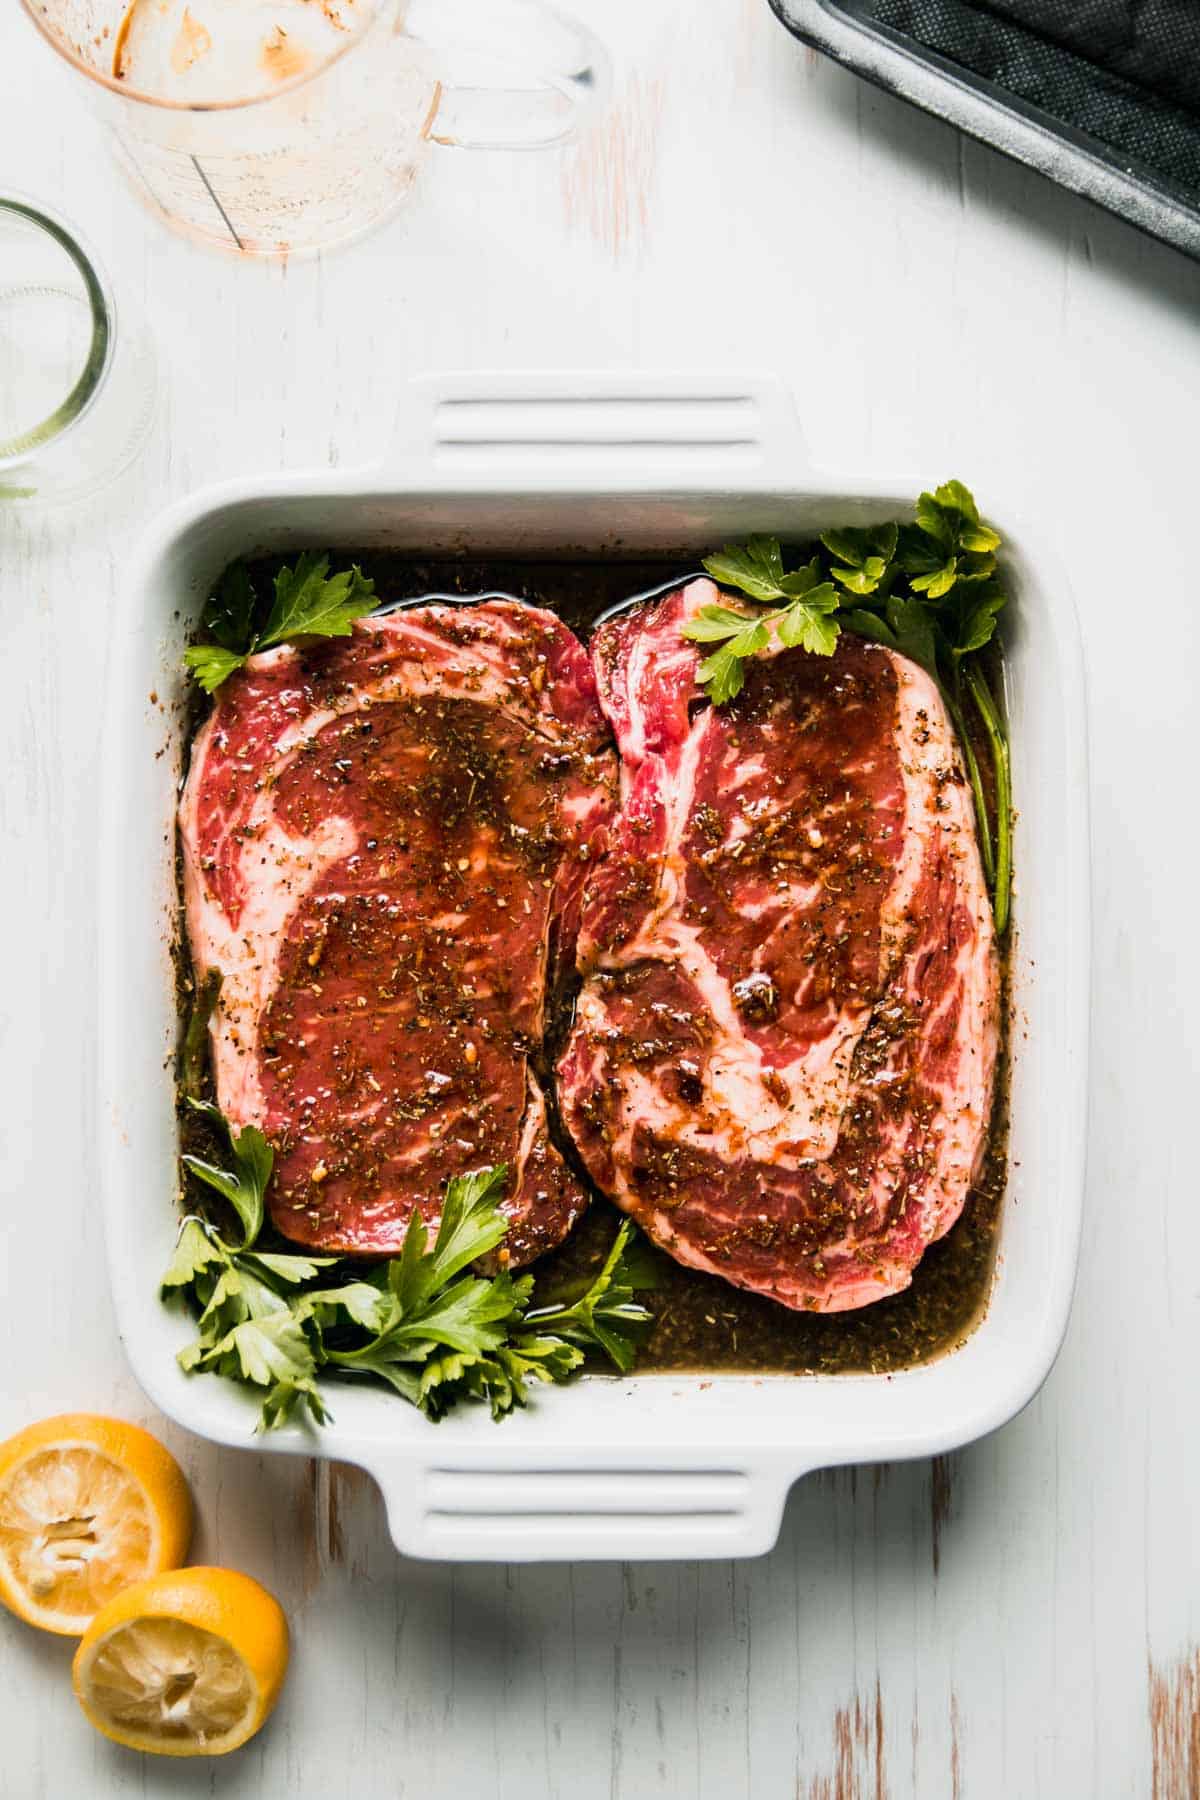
x: 1020, y: 1620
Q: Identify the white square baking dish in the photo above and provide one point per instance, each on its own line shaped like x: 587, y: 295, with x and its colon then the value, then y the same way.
x: 655, y: 1465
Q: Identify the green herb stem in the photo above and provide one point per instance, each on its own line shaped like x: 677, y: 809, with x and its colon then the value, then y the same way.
x: 987, y: 849
x: 195, y: 1039
x: 981, y: 693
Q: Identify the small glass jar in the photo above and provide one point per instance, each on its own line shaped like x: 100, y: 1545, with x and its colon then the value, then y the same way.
x: 77, y: 386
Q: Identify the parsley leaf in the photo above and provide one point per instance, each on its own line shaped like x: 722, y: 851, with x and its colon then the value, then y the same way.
x: 284, y: 1397
x: 912, y: 625
x: 953, y: 498
x: 917, y: 553
x: 804, y: 619
x: 308, y: 602
x: 211, y: 665
x: 268, y: 1348
x: 239, y: 1294
x: 292, y: 1269
x: 608, y: 1314
x: 755, y: 567
x: 862, y: 556
x: 195, y: 1253
x: 356, y: 1302
x: 974, y: 620
x: 948, y: 543
x: 869, y: 625
x: 936, y: 520
x: 426, y: 1324
x: 807, y: 622
x: 714, y: 623
x: 229, y: 614
x: 979, y: 538
x: 722, y: 671
x: 936, y: 582
x: 273, y: 1353
x: 722, y: 675
x: 471, y: 1226
x: 245, y: 1185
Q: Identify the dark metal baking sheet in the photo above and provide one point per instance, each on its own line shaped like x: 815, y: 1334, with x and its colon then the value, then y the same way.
x: 978, y: 106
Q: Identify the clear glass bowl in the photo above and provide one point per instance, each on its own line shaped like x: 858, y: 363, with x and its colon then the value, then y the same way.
x: 77, y: 393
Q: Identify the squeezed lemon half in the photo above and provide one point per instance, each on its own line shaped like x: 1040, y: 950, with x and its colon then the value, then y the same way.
x: 87, y: 1506
x: 189, y: 1663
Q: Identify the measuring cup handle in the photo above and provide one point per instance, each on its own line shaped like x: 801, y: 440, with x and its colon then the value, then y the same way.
x: 528, y: 74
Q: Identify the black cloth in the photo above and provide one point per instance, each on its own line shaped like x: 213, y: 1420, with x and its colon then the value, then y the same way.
x: 1125, y: 73
x: 1153, y: 43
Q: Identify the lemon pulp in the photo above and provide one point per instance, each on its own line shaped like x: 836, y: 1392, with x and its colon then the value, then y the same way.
x: 74, y: 1530
x: 168, y: 1681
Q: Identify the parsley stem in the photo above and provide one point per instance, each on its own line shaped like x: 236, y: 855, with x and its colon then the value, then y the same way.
x: 193, y: 1060
x: 981, y: 693
x: 986, y: 847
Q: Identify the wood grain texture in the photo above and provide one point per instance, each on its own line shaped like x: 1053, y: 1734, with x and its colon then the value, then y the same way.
x: 1020, y: 1620
x: 1175, y: 1729
x: 608, y: 178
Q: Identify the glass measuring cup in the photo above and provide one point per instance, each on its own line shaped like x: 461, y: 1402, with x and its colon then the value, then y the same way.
x: 320, y: 136
x: 77, y: 386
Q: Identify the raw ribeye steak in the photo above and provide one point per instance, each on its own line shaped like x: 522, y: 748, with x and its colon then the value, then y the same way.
x: 385, y: 842
x: 784, y: 1048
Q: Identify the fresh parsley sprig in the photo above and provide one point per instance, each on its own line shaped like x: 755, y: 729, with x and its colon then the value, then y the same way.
x: 308, y: 602
x: 927, y: 588
x: 607, y: 1314
x: 424, y: 1323
x: 803, y: 619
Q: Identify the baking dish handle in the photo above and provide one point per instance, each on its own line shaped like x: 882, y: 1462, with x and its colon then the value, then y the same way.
x: 678, y: 429
x: 581, y: 1509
